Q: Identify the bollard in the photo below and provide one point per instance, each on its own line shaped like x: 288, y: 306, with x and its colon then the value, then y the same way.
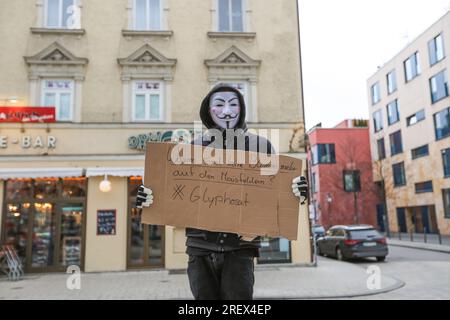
x: 439, y: 236
x: 400, y: 235
x: 425, y: 234
x: 411, y: 236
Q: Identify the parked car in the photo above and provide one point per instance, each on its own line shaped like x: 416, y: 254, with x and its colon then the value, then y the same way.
x: 357, y: 241
x: 318, y: 231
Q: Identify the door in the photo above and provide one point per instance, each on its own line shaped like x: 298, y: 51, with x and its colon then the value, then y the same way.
x: 145, y: 247
x: 380, y: 217
x: 401, y: 220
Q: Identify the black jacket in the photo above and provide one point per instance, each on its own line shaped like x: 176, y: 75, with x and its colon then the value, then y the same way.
x: 201, y: 242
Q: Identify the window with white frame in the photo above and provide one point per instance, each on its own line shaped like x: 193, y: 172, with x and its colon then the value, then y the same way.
x: 230, y: 15
x: 147, y: 101
x: 147, y: 14
x: 64, y: 14
x: 59, y: 94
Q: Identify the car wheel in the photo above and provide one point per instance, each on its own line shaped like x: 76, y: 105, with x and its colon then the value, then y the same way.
x: 381, y: 259
x: 339, y: 254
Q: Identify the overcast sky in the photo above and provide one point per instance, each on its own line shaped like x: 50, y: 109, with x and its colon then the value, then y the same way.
x: 343, y: 42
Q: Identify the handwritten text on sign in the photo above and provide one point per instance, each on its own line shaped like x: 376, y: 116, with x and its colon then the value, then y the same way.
x: 221, y: 197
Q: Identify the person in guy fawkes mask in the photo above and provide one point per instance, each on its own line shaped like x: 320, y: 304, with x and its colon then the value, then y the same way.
x: 221, y: 265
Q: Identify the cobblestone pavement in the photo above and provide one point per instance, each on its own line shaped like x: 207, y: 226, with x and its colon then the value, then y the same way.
x: 330, y: 279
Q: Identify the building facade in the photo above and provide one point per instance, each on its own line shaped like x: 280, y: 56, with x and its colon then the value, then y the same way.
x: 120, y: 75
x: 410, y: 128
x: 340, y: 171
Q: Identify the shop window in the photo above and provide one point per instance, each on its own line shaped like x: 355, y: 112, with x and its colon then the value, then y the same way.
x: 45, y: 221
x: 274, y: 250
x: 145, y: 242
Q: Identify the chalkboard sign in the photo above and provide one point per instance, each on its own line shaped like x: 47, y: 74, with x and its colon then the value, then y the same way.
x: 106, y: 222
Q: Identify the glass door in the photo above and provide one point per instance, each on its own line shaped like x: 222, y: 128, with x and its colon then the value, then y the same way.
x: 43, y: 236
x: 71, y: 235
x: 145, y: 243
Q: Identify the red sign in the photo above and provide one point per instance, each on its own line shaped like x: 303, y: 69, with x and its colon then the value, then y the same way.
x: 27, y: 114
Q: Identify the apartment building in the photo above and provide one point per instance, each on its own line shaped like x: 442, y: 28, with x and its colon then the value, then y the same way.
x: 120, y: 73
x: 409, y: 108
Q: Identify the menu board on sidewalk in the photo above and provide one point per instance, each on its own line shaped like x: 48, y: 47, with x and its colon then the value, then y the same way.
x: 106, y: 222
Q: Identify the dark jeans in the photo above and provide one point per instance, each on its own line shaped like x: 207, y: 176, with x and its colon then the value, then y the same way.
x: 221, y: 276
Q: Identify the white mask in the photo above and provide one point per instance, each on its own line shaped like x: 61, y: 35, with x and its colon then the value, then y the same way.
x: 225, y: 109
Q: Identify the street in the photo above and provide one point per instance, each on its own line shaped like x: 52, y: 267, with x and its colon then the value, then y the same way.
x: 426, y: 274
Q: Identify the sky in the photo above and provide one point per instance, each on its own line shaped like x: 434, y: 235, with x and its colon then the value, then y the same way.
x: 344, y: 41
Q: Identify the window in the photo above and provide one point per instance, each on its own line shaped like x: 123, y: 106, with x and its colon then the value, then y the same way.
x: 376, y: 97
x: 147, y: 101
x: 391, y: 82
x: 442, y: 124
x: 424, y: 187
x: 231, y: 17
x: 436, y: 50
x: 381, y: 149
x: 420, y: 152
x: 59, y: 94
x: 378, y: 121
x: 439, y: 86
x: 446, y: 197
x: 352, y: 181
x: 323, y: 153
x: 63, y: 14
x: 412, y: 67
x: 147, y: 14
x: 392, y: 112
x: 446, y: 162
x: 419, y: 116
x: 399, y: 174
x: 396, y: 143
x: 314, y: 182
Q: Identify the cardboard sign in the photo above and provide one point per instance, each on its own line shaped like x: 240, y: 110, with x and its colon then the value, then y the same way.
x: 233, y: 197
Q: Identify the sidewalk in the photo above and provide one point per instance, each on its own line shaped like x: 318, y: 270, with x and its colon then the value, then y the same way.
x: 331, y: 279
x: 407, y: 243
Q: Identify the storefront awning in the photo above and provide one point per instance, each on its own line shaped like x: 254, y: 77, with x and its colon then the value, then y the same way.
x: 34, y: 173
x: 116, y: 172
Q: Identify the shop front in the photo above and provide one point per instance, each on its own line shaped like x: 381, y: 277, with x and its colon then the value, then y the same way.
x: 71, y: 202
x: 44, y: 219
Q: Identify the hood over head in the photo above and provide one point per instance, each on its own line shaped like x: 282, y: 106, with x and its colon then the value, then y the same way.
x: 204, y: 109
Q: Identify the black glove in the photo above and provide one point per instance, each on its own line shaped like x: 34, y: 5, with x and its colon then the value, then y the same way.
x: 144, y: 197
x: 300, y: 188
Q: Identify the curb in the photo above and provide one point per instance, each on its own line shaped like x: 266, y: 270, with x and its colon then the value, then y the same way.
x: 447, y: 251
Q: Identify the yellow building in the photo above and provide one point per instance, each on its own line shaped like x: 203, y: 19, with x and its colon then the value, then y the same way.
x: 409, y: 105
x: 121, y: 74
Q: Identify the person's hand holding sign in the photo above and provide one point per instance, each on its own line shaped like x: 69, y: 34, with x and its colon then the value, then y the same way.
x: 300, y: 188
x: 144, y: 197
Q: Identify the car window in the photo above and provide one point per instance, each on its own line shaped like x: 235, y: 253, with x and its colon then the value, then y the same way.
x: 364, y: 234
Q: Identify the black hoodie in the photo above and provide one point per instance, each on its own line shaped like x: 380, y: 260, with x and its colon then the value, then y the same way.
x: 202, y: 242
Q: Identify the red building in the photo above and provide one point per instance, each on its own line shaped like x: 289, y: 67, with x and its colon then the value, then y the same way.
x: 340, y: 168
